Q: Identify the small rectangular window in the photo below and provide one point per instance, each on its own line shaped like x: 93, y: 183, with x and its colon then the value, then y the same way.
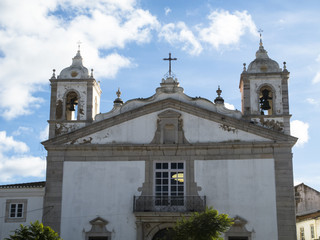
x: 312, y: 230
x: 16, y: 210
x: 302, y: 233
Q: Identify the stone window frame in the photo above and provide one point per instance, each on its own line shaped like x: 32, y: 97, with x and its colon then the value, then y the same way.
x: 9, y: 203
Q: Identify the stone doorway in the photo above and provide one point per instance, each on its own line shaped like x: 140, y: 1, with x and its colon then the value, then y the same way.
x: 163, y: 234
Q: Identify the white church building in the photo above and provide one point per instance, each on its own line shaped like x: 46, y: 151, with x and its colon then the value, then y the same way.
x: 132, y: 172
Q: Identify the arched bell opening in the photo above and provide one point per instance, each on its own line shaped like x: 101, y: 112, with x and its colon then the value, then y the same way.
x: 266, y: 100
x: 72, y: 101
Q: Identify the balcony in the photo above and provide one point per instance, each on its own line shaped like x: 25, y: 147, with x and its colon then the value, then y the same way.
x: 169, y: 203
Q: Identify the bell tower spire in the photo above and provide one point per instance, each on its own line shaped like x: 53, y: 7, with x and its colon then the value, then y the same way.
x: 264, y: 92
x: 75, y: 98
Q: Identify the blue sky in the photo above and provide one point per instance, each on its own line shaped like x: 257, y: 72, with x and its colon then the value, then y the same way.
x: 125, y: 42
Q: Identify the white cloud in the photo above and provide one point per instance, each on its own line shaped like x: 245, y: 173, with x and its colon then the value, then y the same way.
x: 316, y: 78
x: 44, y: 134
x: 180, y: 35
x: 99, y: 24
x: 16, y: 162
x: 229, y: 106
x: 226, y: 28
x: 7, y: 143
x: 312, y: 101
x: 12, y: 168
x: 167, y: 11
x: 300, y: 130
x: 22, y: 130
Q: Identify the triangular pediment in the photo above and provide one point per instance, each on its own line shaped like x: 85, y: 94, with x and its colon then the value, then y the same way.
x: 143, y: 121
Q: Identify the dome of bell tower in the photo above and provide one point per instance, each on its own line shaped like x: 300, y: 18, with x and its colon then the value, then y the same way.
x: 262, y: 63
x: 76, y: 70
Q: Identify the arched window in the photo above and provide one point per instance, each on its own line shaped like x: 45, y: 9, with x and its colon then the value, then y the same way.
x: 72, y: 101
x: 266, y: 101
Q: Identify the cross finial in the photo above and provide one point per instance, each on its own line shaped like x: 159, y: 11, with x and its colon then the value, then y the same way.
x: 260, y: 31
x: 219, y: 91
x: 170, y: 59
x: 79, y: 43
x: 118, y: 93
x: 219, y: 99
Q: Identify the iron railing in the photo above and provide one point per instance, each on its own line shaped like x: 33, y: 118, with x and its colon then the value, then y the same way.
x: 169, y: 203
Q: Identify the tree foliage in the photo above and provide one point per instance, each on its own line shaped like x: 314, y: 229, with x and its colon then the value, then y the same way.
x: 35, y: 231
x: 207, y: 225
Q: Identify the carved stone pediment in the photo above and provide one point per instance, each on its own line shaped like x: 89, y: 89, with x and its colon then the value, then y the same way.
x: 169, y: 129
x: 98, y: 229
x: 238, y: 229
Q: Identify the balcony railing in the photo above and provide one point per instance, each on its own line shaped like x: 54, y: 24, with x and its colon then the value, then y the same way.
x: 169, y: 203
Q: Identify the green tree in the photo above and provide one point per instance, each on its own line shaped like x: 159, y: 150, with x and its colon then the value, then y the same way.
x: 207, y: 225
x: 35, y: 231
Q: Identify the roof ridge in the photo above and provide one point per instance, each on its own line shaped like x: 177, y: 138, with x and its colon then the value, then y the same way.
x: 25, y: 185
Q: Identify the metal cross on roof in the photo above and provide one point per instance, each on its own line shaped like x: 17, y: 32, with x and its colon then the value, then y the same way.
x: 170, y: 59
x: 79, y: 43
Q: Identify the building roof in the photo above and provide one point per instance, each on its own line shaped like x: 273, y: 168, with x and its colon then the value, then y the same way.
x: 24, y: 185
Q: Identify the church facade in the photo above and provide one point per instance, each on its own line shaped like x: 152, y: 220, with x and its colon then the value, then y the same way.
x: 132, y: 172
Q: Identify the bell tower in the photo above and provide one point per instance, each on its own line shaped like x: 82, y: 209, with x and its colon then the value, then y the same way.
x: 75, y: 98
x: 264, y: 92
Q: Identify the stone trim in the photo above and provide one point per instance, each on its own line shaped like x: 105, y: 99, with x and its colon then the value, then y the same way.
x: 53, y: 193
x: 220, y: 148
x: 89, y: 104
x: 177, y: 105
x: 285, y: 195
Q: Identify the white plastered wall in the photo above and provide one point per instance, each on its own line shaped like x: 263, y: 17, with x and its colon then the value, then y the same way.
x: 141, y: 130
x: 244, y: 188
x: 104, y: 189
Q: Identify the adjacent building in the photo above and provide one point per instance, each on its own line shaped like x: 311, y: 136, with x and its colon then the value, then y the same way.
x: 20, y: 204
x: 308, y: 212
